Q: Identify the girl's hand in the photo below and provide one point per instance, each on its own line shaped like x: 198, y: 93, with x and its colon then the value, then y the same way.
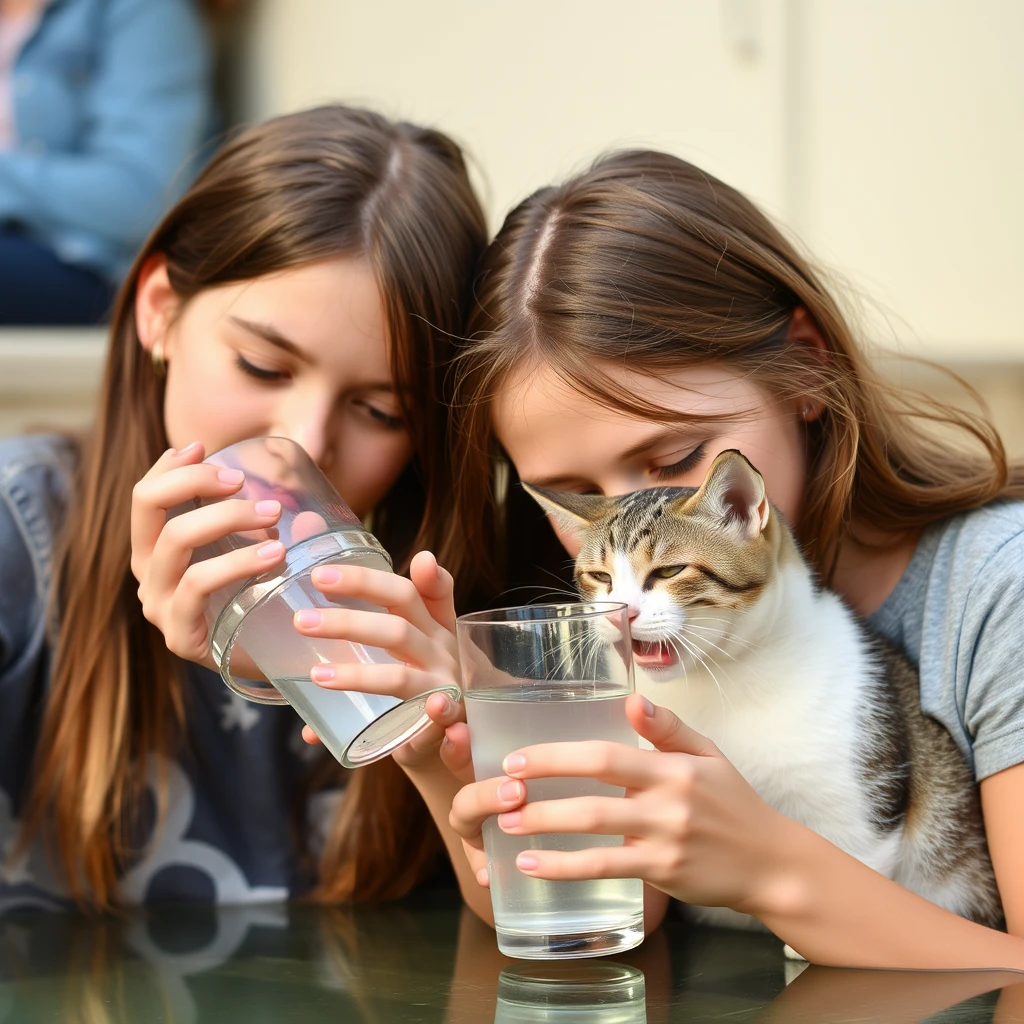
x: 476, y: 801
x: 419, y: 632
x: 174, y: 593
x: 693, y: 827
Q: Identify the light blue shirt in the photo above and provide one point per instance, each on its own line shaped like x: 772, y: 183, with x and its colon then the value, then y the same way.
x: 111, y: 106
x: 958, y: 612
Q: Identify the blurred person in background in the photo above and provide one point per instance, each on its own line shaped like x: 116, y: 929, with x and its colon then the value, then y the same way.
x: 103, y: 107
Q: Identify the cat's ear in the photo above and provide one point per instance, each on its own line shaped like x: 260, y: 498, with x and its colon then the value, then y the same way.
x: 574, y: 513
x: 733, y: 494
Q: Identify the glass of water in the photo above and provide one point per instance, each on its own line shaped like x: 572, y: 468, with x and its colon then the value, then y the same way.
x: 547, y: 674
x: 256, y: 616
x: 592, y: 994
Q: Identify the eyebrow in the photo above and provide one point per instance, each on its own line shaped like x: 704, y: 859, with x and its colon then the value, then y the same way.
x: 271, y: 334
x: 641, y: 448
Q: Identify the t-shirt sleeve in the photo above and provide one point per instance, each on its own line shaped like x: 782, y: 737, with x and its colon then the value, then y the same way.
x: 991, y: 661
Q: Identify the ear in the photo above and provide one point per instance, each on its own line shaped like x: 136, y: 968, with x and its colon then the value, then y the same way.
x: 804, y: 331
x: 156, y: 304
x: 733, y: 495
x: 572, y: 513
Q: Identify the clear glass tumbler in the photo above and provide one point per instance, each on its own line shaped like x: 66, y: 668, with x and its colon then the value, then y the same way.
x: 571, y: 994
x: 256, y: 616
x: 544, y: 674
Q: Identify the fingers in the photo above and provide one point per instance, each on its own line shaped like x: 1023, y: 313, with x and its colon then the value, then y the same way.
x: 475, y: 803
x: 455, y: 751
x: 442, y: 711
x: 391, y: 680
x: 665, y: 730
x: 149, y: 510
x: 591, y: 815
x: 310, y: 737
x: 436, y: 587
x: 628, y: 861
x: 398, y: 636
x: 387, y: 590
x: 182, y: 535
x: 614, y: 763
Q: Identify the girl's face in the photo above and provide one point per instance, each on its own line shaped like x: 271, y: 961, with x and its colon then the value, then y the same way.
x: 301, y: 354
x: 560, y: 439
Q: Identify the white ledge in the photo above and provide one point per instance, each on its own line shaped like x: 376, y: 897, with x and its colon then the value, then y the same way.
x: 49, y: 360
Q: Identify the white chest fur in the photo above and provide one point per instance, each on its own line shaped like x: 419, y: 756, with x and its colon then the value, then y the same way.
x: 782, y: 701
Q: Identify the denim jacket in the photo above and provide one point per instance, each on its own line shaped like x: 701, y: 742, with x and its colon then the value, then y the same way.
x: 226, y: 837
x: 111, y: 104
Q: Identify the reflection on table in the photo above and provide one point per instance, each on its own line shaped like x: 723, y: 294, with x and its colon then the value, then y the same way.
x: 425, y: 960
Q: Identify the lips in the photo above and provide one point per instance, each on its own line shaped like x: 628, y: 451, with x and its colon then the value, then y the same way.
x: 653, y: 654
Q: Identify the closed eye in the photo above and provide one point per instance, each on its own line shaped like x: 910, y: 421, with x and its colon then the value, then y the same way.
x: 259, y: 372
x: 385, y: 419
x: 600, y: 577
x: 684, y: 465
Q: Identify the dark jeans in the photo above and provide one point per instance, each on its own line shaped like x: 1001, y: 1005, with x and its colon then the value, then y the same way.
x: 37, y: 288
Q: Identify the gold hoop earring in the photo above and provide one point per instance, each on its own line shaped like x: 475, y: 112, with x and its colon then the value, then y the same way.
x: 157, y: 355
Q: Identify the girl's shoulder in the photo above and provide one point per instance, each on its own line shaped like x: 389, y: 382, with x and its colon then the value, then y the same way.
x: 974, y: 538
x: 36, y: 476
x: 963, y: 566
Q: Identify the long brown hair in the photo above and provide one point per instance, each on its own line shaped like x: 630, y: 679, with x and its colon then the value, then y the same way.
x: 646, y: 261
x: 323, y: 183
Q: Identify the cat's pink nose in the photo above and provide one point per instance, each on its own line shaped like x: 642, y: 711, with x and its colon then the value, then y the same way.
x: 632, y: 613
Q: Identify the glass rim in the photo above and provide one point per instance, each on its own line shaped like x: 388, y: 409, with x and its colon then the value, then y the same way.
x: 584, y: 610
x: 256, y: 439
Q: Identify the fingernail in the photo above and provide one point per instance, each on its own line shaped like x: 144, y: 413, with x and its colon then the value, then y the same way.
x: 447, y: 708
x: 271, y: 550
x: 527, y: 862
x: 230, y: 476
x: 510, y: 791
x: 326, y: 574
x: 188, y: 448
x: 308, y: 619
x: 321, y: 673
x: 267, y: 508
x: 513, y: 763
x: 509, y: 820
x: 648, y: 707
x: 447, y: 743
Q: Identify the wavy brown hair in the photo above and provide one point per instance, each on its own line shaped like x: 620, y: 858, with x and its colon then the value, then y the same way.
x: 646, y: 261
x: 310, y: 186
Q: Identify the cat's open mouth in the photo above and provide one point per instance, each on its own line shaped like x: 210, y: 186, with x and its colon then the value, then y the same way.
x: 657, y: 654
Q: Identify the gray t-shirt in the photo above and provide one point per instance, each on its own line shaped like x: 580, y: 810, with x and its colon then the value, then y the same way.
x: 958, y: 613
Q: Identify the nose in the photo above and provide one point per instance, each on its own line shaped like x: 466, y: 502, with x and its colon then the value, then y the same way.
x: 632, y: 613
x: 311, y: 430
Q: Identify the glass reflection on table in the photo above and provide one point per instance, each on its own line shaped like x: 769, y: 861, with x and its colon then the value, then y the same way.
x: 427, y: 961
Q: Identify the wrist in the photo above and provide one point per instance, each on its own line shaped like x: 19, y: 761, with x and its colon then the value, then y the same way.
x: 780, y: 886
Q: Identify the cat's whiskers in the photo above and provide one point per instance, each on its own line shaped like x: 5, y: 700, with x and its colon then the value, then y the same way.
x: 698, y: 655
x: 746, y: 647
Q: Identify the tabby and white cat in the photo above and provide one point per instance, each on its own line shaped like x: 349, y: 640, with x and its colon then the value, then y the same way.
x: 732, y: 633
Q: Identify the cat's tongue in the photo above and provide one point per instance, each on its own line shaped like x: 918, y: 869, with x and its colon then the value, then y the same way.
x: 651, y: 655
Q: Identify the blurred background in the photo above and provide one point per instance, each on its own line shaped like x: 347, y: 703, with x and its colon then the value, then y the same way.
x: 885, y: 135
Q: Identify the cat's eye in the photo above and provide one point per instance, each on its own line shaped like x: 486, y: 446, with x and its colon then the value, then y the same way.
x: 600, y: 577
x: 666, y: 572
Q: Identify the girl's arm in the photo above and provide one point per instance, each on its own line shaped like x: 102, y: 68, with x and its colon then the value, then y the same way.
x: 1002, y: 800
x: 698, y: 831
x: 420, y: 633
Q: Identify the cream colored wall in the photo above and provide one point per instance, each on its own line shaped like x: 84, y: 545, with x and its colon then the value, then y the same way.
x: 537, y: 87
x: 885, y: 133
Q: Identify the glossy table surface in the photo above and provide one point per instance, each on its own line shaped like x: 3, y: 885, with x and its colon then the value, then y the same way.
x: 425, y: 960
